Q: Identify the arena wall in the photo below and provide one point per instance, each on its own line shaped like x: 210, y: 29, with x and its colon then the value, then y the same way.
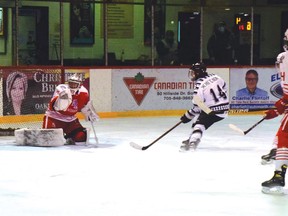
x: 128, y: 92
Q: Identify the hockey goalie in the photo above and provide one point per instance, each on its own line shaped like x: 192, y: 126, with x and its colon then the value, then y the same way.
x: 276, y: 184
x: 68, y: 99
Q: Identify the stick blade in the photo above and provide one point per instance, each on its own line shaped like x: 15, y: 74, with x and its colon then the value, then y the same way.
x: 136, y: 146
x: 235, y: 128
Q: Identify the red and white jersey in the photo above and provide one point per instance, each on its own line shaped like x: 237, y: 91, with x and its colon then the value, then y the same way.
x: 282, y: 63
x: 79, y: 100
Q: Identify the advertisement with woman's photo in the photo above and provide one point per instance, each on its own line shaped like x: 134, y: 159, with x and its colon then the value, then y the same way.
x: 28, y: 91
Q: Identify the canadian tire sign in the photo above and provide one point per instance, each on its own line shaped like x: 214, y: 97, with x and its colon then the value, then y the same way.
x: 139, y: 86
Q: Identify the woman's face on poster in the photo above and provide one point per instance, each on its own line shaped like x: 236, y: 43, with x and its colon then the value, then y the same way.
x: 18, y: 90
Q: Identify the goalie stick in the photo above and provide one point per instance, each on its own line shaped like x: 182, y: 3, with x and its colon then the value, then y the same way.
x: 95, y: 136
x: 234, y: 127
x: 136, y: 146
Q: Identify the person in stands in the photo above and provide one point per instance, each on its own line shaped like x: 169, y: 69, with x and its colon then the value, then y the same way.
x: 221, y: 45
x: 167, y: 49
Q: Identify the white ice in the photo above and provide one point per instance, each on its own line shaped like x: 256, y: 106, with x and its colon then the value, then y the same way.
x: 223, y: 177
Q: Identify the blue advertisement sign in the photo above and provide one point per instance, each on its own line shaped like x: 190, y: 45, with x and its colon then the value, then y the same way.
x: 254, y: 88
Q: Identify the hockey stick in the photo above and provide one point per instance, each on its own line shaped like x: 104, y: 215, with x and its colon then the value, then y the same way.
x: 136, y: 146
x: 201, y: 104
x: 234, y: 127
x: 96, y: 138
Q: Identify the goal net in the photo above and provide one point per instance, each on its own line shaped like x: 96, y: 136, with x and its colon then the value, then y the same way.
x: 25, y: 94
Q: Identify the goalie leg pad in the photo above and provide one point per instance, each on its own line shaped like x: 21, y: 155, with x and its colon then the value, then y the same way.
x: 40, y: 137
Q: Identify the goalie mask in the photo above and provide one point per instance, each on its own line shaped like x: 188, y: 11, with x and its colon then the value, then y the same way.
x: 75, y: 82
x: 285, y: 40
x: 198, y: 70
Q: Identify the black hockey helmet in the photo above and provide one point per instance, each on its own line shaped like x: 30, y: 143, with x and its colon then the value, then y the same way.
x: 197, y: 70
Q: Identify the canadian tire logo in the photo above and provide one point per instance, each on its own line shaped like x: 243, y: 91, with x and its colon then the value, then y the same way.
x: 139, y: 86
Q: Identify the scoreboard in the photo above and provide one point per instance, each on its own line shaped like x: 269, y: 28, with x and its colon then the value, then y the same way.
x: 243, y: 29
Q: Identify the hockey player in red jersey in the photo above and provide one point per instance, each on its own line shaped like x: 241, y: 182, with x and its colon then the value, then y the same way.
x: 68, y: 99
x: 277, y: 182
x: 212, y: 90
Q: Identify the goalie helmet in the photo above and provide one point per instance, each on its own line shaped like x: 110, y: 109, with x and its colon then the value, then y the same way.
x: 285, y: 40
x: 197, y: 70
x: 75, y: 82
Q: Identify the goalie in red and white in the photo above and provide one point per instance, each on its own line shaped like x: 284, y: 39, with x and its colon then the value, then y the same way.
x: 68, y: 99
x: 277, y: 182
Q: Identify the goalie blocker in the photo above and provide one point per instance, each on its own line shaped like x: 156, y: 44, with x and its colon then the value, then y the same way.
x: 40, y: 137
x: 89, y: 112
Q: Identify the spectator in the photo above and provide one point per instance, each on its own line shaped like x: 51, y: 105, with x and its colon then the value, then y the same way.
x: 167, y: 49
x: 220, y: 45
x: 251, y: 90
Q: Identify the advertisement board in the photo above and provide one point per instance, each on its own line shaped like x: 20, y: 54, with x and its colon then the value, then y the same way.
x: 28, y: 91
x: 153, y: 89
x: 254, y: 88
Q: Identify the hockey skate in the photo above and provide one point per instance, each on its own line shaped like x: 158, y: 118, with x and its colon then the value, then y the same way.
x: 269, y: 158
x: 69, y: 141
x: 276, y: 184
x: 189, y: 146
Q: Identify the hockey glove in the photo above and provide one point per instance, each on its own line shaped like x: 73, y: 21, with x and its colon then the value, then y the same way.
x: 281, y: 104
x: 187, y: 117
x: 270, y: 114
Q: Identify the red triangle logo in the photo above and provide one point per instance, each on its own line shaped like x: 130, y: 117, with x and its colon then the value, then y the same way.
x: 139, y: 86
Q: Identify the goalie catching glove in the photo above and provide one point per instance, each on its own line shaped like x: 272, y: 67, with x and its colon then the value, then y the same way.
x: 64, y: 100
x: 89, y: 112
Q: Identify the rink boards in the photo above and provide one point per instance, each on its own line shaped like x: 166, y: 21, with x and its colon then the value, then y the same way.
x: 129, y: 92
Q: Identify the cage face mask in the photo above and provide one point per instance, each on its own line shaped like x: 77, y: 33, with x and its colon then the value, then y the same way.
x: 74, y: 82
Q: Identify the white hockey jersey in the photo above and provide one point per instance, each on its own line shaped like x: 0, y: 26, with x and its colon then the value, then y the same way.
x: 212, y: 90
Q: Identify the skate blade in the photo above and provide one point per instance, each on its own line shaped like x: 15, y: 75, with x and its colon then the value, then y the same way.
x: 278, y: 190
x: 183, y: 150
x: 266, y: 162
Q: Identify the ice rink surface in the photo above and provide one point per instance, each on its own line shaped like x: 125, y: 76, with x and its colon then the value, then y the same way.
x: 223, y: 177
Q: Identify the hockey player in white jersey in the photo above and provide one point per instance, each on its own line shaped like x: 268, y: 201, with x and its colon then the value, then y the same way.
x: 277, y: 182
x: 212, y: 90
